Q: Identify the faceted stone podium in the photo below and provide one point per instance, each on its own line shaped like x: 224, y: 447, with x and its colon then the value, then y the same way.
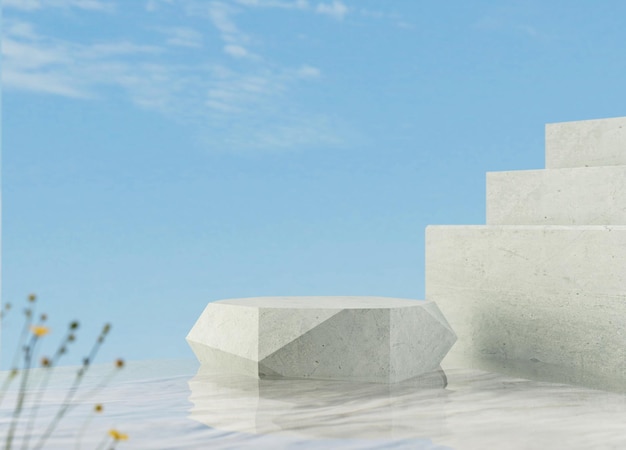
x: 540, y: 291
x: 371, y: 339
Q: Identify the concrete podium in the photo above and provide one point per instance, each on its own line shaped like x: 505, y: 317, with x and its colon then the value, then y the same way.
x: 370, y: 339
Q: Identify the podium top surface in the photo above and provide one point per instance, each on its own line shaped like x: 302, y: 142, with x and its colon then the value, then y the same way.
x: 324, y: 302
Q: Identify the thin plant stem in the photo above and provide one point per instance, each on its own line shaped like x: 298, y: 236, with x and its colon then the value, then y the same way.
x: 72, y: 391
x: 69, y: 337
x: 100, y: 385
x: 82, y: 430
x: 28, y: 312
x: 5, y: 311
x: 28, y: 353
x: 97, y: 409
x: 103, y: 442
x: 7, y: 381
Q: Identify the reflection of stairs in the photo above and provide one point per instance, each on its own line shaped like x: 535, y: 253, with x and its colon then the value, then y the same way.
x: 540, y: 291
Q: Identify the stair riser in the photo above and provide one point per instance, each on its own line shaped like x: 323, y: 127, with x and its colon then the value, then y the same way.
x: 582, y: 196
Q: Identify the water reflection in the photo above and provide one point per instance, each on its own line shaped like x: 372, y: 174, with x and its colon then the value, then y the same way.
x: 475, y: 410
x: 312, y: 408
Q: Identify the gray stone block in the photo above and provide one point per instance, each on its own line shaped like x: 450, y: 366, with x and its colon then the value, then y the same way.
x: 372, y: 339
x: 580, y: 196
x: 526, y: 298
x: 586, y: 143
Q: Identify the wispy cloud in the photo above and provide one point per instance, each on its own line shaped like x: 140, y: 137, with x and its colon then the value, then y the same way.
x: 294, y: 4
x: 155, y: 5
x: 236, y: 51
x: 494, y: 24
x: 181, y: 36
x: 336, y: 9
x: 32, y: 5
x: 237, y: 102
x: 517, y: 19
x: 307, y: 71
x: 222, y: 16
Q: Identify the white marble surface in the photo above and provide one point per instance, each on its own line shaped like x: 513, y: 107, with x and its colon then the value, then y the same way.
x: 177, y: 405
x: 586, y: 143
x: 476, y: 411
x: 579, y: 196
x: 529, y: 296
x: 374, y: 339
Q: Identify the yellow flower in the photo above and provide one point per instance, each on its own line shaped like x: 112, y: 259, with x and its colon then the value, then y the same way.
x: 117, y: 435
x: 39, y: 330
x: 98, y: 408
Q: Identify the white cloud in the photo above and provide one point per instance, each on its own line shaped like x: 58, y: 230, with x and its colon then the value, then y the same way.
x: 307, y: 71
x: 231, y: 91
x: 245, y: 108
x: 25, y: 5
x: 336, y: 9
x: 236, y: 51
x: 54, y: 83
x: 32, y: 5
x: 24, y: 56
x: 181, y: 36
x: 220, y: 15
x: 119, y: 48
x: 36, y: 63
x: 515, y: 18
x: 154, y: 5
x: 294, y: 4
x: 505, y: 25
x: 19, y: 29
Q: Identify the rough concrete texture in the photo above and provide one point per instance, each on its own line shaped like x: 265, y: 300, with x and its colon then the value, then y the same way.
x: 586, y: 143
x: 580, y: 196
x: 540, y: 291
x: 372, y: 339
x: 528, y: 295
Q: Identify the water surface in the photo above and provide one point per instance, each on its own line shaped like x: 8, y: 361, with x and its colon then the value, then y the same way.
x: 178, y: 405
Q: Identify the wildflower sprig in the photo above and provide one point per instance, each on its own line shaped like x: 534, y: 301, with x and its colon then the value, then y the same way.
x: 38, y: 331
x: 26, y: 352
x: 97, y: 409
x: 4, y: 311
x: 112, y: 437
x: 28, y: 320
x: 48, y: 364
x: 67, y: 402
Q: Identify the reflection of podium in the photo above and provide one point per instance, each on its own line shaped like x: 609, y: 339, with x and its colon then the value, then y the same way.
x: 319, y: 409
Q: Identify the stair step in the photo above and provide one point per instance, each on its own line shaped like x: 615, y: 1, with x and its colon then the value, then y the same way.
x: 523, y: 295
x: 579, y: 196
x: 586, y: 143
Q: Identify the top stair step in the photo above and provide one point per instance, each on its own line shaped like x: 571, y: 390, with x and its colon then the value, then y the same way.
x: 587, y: 143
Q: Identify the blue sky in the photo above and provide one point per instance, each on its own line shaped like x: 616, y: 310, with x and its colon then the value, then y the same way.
x: 161, y: 154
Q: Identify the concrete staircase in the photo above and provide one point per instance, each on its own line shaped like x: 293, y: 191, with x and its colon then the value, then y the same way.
x: 540, y: 291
